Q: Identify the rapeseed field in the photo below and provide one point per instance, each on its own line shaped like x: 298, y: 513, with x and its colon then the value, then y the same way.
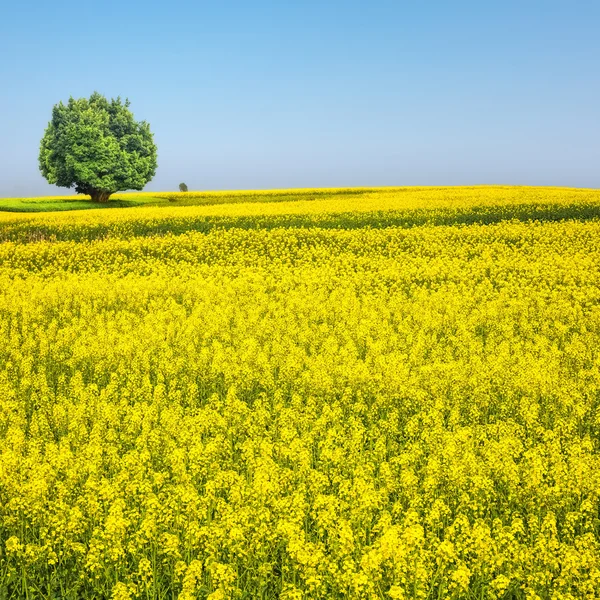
x: 362, y: 394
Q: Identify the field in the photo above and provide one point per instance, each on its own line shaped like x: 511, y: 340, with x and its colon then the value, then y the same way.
x: 135, y: 199
x: 303, y: 394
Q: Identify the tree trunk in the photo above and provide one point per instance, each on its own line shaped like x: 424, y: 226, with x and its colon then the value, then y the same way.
x: 100, y: 195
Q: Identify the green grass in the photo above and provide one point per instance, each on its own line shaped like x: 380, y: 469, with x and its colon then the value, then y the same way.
x: 74, y: 203
x: 127, y: 200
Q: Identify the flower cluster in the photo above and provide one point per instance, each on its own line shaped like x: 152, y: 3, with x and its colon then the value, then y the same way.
x: 334, y: 405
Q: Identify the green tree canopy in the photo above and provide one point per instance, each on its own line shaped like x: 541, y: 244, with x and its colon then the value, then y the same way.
x: 97, y: 147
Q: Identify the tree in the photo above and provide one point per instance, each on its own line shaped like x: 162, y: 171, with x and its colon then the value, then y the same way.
x: 183, y: 187
x: 97, y: 147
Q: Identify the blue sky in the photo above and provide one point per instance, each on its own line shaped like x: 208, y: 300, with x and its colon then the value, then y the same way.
x: 301, y: 94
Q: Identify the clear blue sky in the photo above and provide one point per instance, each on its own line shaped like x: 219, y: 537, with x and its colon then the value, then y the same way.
x: 315, y: 93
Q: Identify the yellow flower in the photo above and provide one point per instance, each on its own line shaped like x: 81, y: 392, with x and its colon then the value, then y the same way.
x: 303, y: 394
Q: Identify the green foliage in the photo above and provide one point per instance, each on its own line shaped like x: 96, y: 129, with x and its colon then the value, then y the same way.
x: 97, y: 147
x: 183, y: 187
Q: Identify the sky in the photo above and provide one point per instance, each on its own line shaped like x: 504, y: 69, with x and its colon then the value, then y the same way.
x: 253, y: 95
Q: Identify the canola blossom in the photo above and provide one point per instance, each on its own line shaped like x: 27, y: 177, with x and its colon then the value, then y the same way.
x: 362, y: 394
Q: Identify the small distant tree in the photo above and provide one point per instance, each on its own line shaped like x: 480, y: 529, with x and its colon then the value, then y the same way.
x: 183, y: 187
x: 97, y: 147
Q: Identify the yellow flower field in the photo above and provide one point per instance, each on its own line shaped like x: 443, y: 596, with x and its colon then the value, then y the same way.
x: 357, y: 394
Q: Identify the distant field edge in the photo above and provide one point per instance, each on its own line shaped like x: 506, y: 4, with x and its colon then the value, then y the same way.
x: 41, y: 204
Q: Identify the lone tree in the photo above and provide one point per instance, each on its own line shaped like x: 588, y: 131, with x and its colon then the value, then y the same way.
x: 183, y: 187
x: 97, y: 147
